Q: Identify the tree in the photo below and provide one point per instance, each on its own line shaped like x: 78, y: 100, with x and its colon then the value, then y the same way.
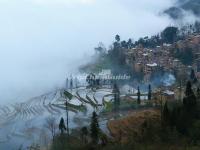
x: 197, y: 26
x: 116, y: 93
x: 100, y: 49
x: 76, y: 82
x: 124, y: 44
x: 169, y: 35
x: 117, y: 38
x: 194, y: 132
x: 198, y: 93
x: 94, y: 128
x: 84, y: 134
x: 193, y: 76
x: 130, y: 43
x: 71, y: 83
x: 149, y: 92
x: 185, y: 55
x: 104, y: 139
x: 68, y: 96
x: 91, y: 79
x: 189, y: 90
x: 62, y: 127
x: 138, y: 96
x: 67, y: 84
x: 67, y: 113
x: 166, y: 116
x: 173, y: 116
x: 51, y: 126
x: 189, y: 100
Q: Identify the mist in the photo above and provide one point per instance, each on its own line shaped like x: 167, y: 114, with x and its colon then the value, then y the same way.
x: 43, y: 41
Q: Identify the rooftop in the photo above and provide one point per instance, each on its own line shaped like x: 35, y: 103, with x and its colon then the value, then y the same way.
x: 169, y: 92
x: 152, y: 65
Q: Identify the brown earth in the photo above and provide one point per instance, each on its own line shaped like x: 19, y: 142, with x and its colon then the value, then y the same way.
x: 130, y: 126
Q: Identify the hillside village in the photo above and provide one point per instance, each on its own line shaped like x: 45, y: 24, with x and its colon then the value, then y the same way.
x: 142, y: 115
x: 130, y: 112
x: 148, y: 61
x: 139, y: 91
x: 178, y: 59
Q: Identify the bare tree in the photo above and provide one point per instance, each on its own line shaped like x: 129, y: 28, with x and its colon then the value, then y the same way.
x: 51, y: 126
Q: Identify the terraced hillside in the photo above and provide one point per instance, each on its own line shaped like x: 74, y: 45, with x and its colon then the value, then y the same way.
x: 24, y: 122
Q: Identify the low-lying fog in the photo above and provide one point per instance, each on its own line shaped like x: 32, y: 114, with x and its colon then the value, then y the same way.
x: 43, y: 40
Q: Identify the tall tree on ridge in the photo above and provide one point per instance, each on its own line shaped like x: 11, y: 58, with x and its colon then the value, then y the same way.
x: 117, y: 38
x: 193, y: 76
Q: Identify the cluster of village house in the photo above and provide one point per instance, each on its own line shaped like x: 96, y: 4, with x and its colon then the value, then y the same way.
x: 149, y: 61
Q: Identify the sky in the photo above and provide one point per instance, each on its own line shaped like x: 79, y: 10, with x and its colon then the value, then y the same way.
x: 41, y: 41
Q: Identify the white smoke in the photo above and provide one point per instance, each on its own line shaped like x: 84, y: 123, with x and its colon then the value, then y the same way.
x: 168, y: 79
